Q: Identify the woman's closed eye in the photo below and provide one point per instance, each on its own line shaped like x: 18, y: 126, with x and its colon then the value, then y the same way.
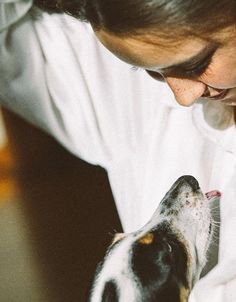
x: 185, y: 73
x: 195, y: 71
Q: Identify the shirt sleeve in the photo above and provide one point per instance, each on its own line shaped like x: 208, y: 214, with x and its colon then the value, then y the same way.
x: 55, y: 74
x: 12, y: 10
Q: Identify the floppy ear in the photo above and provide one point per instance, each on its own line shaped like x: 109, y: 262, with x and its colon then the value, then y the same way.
x: 117, y: 237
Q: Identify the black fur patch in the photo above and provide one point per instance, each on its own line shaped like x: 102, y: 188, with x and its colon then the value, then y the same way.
x: 110, y: 292
x: 159, y: 270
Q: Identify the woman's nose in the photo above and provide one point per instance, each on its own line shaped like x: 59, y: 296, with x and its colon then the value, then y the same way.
x: 186, y: 91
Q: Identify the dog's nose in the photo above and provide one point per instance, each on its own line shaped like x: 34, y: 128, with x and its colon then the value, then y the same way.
x: 190, y: 180
x: 183, y: 181
x: 186, y: 183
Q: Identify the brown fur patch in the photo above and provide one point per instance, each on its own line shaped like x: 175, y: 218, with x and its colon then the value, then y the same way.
x: 184, y: 293
x: 146, y: 239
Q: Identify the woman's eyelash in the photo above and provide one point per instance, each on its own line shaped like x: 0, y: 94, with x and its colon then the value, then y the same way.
x: 198, y: 70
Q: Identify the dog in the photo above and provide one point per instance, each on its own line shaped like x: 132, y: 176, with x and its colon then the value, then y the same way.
x: 162, y: 261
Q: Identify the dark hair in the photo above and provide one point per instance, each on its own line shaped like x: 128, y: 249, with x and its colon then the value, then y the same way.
x: 122, y: 17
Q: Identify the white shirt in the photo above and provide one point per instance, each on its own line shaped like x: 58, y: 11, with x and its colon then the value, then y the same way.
x: 55, y: 74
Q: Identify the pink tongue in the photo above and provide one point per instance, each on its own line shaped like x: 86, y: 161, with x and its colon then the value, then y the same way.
x: 213, y: 194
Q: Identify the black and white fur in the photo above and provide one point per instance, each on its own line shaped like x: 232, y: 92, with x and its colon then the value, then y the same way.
x: 162, y: 261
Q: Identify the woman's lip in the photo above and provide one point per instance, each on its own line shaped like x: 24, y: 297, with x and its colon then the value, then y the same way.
x: 219, y: 96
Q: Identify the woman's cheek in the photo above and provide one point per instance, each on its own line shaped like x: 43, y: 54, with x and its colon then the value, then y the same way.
x: 221, y: 78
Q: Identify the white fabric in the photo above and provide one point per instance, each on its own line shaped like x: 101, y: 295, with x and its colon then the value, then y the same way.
x: 55, y: 74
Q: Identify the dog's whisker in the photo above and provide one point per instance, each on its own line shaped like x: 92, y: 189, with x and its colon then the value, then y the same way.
x: 216, y: 209
x: 214, y: 222
x: 215, y: 226
x: 217, y: 221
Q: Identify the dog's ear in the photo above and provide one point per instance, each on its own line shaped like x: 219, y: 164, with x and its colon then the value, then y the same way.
x: 160, y: 263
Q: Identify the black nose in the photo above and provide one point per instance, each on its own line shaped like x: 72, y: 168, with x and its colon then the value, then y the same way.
x: 177, y: 188
x: 190, y: 180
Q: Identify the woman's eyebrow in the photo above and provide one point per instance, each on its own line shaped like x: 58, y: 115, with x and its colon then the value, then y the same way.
x: 203, y: 55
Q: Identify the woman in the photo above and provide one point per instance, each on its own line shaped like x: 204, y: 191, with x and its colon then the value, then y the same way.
x: 144, y: 33
x: 57, y: 75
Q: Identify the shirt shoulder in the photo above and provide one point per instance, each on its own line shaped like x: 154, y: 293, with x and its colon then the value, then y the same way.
x: 11, y: 11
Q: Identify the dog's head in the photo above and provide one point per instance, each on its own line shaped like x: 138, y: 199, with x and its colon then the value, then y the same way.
x: 161, y: 261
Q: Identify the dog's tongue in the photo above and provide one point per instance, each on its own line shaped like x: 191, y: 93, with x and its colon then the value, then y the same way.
x: 213, y: 194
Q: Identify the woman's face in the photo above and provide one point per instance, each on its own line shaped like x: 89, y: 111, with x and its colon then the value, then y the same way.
x: 192, y: 68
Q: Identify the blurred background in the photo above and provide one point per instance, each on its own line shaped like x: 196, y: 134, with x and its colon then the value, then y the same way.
x: 57, y: 215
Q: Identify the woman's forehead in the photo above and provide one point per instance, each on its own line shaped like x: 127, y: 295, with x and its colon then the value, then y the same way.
x: 149, y: 51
